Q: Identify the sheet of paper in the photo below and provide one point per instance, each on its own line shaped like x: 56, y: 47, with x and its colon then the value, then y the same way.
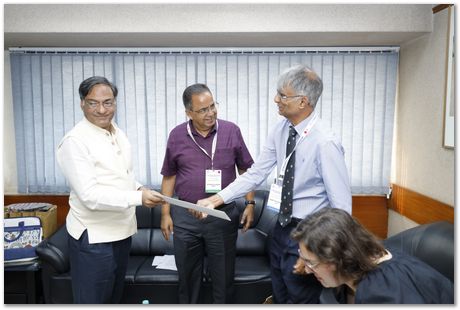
x: 188, y: 205
x: 165, y: 262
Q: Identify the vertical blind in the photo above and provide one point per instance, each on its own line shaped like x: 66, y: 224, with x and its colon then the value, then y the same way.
x: 358, y: 102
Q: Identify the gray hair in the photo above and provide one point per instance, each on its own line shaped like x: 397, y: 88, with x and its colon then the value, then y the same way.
x: 304, y: 81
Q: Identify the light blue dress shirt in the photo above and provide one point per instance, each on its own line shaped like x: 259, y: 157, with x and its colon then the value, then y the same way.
x: 321, y: 176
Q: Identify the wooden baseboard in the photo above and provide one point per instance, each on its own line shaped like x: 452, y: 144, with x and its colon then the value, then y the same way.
x: 419, y: 208
x: 371, y: 211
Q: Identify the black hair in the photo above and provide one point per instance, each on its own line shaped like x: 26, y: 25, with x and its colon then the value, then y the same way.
x: 193, y: 90
x: 89, y: 83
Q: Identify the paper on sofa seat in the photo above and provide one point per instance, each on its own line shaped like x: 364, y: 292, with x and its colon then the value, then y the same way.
x: 188, y: 205
x: 165, y: 262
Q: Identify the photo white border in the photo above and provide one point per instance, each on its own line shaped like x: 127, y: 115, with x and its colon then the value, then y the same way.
x: 449, y: 120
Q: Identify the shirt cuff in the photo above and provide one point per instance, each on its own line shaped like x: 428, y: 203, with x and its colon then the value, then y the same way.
x: 134, y: 198
x: 138, y: 185
x: 226, y: 195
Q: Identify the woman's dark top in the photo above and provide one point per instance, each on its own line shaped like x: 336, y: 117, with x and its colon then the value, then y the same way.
x: 403, y: 279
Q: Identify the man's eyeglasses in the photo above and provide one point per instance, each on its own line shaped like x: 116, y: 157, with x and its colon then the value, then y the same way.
x: 106, y: 104
x: 203, y: 111
x: 284, y: 97
x: 308, y: 262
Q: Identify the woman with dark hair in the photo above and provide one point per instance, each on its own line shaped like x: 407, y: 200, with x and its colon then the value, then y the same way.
x: 341, y: 253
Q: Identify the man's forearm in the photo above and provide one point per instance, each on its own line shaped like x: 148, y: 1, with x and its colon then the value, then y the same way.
x: 167, y: 189
x: 250, y: 195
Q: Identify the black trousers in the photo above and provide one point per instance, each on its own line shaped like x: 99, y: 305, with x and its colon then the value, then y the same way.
x: 216, y: 238
x: 289, y: 288
x: 98, y: 270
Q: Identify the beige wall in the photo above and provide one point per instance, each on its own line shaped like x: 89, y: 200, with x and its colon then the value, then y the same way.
x: 421, y: 163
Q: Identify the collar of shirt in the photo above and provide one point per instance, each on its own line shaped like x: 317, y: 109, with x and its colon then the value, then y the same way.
x: 113, y: 129
x: 195, y: 132
x: 303, y: 124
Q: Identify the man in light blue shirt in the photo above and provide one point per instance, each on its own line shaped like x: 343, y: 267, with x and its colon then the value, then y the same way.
x: 320, y: 179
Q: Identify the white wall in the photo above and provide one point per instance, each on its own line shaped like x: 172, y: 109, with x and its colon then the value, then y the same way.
x: 421, y: 163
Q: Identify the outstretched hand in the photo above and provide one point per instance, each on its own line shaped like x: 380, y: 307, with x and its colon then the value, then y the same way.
x: 210, y: 202
x: 151, y: 198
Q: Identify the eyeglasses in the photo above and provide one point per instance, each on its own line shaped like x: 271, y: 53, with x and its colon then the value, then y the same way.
x: 284, y: 97
x: 308, y: 262
x: 203, y: 111
x: 106, y: 104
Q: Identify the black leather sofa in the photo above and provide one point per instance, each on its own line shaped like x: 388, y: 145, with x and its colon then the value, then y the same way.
x: 145, y: 282
x: 433, y: 243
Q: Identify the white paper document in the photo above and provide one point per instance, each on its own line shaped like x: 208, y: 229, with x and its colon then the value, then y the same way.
x: 165, y: 262
x: 188, y: 205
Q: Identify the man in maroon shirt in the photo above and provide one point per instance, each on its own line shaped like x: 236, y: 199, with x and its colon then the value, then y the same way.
x: 200, y: 160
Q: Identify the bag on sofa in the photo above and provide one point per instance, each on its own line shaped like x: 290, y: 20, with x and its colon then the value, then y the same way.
x: 20, y: 237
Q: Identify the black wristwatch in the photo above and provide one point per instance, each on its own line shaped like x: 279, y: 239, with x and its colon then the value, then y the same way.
x: 249, y: 202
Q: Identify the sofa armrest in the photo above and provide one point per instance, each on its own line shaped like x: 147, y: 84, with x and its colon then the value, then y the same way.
x: 54, y: 250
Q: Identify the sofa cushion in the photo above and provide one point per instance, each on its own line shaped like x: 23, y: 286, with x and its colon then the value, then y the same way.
x: 134, y: 264
x: 146, y: 273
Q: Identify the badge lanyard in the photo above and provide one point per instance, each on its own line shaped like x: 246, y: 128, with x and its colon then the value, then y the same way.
x: 274, y: 198
x: 213, y: 178
x: 305, y: 132
x: 214, y: 143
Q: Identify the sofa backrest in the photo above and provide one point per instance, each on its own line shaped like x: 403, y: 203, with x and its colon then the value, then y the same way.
x: 149, y: 240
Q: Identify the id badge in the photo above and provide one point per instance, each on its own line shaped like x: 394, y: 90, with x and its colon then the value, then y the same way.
x: 213, y: 181
x: 274, y: 198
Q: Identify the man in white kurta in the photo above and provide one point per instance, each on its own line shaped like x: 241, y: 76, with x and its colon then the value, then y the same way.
x: 95, y: 158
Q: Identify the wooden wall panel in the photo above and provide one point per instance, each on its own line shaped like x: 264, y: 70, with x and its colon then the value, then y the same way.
x: 419, y: 208
x: 371, y: 211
